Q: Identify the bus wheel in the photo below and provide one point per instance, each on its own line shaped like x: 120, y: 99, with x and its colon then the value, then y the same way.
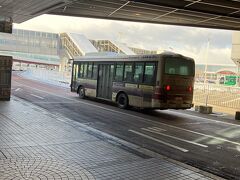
x: 81, y: 92
x: 122, y: 101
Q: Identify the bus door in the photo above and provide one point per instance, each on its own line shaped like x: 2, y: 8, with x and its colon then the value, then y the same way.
x: 105, y: 77
x: 74, y: 77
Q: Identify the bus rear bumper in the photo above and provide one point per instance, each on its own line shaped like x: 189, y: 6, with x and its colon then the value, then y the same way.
x: 173, y: 106
x: 183, y: 106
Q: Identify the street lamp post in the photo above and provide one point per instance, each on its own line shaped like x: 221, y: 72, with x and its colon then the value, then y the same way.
x: 205, y: 71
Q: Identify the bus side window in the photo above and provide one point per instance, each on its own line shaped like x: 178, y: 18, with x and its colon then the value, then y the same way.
x: 128, y: 72
x: 76, y: 71
x: 95, y: 71
x: 138, y: 74
x: 90, y: 68
x: 80, y: 74
x: 85, y: 70
x: 149, y: 72
x: 119, y: 72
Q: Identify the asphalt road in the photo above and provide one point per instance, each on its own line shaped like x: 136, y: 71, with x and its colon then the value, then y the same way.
x: 206, y: 142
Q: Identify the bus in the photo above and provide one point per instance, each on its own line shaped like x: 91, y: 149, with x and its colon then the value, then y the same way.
x: 159, y: 81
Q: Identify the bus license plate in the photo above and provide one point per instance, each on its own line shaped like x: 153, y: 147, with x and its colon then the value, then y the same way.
x: 178, y: 98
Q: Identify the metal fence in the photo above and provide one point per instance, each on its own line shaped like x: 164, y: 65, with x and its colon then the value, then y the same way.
x: 219, y: 95
x: 208, y: 94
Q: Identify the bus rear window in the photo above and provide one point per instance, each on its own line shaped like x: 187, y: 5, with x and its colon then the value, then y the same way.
x: 178, y: 66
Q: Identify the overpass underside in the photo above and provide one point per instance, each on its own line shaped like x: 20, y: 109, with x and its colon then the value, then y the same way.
x: 220, y: 14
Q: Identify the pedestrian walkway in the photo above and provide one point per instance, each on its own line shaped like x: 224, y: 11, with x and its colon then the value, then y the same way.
x: 36, y: 144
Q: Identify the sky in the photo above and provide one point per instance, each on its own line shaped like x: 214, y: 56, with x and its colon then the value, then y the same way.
x: 189, y: 41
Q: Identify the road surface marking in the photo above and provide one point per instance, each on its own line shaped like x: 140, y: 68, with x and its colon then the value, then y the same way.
x: 17, y: 89
x: 39, y: 97
x: 173, y: 137
x: 157, y: 140
x: 205, y: 119
x: 156, y: 129
x: 198, y: 123
x: 55, y: 102
x: 148, y: 120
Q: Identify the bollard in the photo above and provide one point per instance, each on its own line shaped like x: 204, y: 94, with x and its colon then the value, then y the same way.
x: 197, y: 108
x: 205, y: 109
x: 237, y: 116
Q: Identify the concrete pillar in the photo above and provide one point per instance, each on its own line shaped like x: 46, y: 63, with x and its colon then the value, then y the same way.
x: 197, y: 107
x: 235, y: 54
x: 205, y: 109
x: 6, y: 25
x: 5, y: 77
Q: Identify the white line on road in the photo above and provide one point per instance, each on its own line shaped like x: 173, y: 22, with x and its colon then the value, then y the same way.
x: 149, y: 120
x: 17, y: 89
x: 173, y: 137
x: 156, y: 129
x: 39, y: 97
x: 205, y: 119
x: 157, y: 140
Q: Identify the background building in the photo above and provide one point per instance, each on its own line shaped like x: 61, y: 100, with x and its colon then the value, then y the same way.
x: 31, y: 48
x: 55, y: 51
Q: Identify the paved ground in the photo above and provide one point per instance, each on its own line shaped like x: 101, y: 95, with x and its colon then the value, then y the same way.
x: 210, y: 143
x: 35, y: 144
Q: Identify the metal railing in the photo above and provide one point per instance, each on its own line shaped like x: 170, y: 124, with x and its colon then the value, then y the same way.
x: 219, y: 95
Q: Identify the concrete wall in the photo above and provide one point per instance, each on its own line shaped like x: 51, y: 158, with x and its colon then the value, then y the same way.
x: 236, y: 47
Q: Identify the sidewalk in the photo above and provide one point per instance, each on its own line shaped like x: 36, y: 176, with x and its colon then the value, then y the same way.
x: 35, y: 144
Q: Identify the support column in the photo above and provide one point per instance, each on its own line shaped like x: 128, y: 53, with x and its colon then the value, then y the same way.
x: 5, y: 77
x: 5, y: 63
x: 6, y: 24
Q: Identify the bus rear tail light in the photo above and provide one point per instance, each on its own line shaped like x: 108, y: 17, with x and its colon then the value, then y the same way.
x: 168, y: 88
x: 190, y: 89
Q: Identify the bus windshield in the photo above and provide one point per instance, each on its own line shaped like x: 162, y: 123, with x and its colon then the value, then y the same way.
x: 179, y: 66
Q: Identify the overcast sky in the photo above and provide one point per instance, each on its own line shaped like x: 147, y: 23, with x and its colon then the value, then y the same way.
x: 185, y: 40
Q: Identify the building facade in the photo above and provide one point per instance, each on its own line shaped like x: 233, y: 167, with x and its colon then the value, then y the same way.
x: 31, y: 47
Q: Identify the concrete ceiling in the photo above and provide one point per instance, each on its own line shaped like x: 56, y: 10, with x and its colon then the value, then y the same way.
x: 22, y: 10
x: 220, y: 14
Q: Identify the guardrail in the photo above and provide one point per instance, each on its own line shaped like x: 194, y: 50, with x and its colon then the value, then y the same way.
x: 219, y: 95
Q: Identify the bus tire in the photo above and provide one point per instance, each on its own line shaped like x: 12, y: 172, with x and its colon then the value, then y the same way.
x: 81, y: 92
x: 122, y: 101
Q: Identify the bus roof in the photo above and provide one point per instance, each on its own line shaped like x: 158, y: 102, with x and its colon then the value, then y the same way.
x: 122, y: 57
